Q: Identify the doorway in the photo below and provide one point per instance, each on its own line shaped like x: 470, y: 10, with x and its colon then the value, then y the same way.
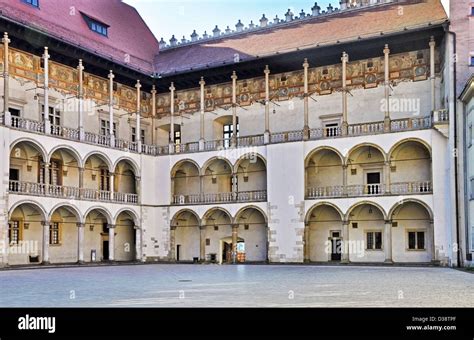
x: 14, y: 174
x: 105, y: 250
x: 178, y: 248
x: 373, y: 183
x: 336, y: 246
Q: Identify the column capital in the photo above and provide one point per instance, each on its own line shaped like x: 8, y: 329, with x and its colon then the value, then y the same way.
x: 345, y: 57
x: 80, y: 225
x: 345, y: 222
x: 235, y: 225
x: 111, y: 226
x: 172, y: 227
x: 5, y: 39
x: 137, y: 227
x: 202, y: 82
x: 386, y: 50
x: 432, y: 41
x: 267, y: 70
x: 111, y: 75
x: 81, y: 169
x: 138, y: 86
x: 46, y: 54
x: 153, y: 89
x: 80, y: 67
x: 172, y: 88
x: 305, y: 63
x: 138, y: 178
x: 388, y: 221
x: 234, y: 75
x: 202, y: 227
x: 45, y: 223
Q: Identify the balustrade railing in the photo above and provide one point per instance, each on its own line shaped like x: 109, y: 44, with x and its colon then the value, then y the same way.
x: 221, y: 197
x: 256, y: 140
x: 329, y: 191
x: 411, y: 187
x: 289, y: 136
x: 125, y: 197
x: 365, y: 129
x: 365, y: 190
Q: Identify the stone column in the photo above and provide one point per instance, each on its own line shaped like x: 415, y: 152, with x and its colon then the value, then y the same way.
x: 111, y: 108
x: 112, y: 185
x: 138, y: 134
x: 434, y: 256
x: 172, y: 251
x: 47, y: 123
x: 46, y: 225
x: 80, y: 242
x: 202, y: 110
x: 344, y: 59
x: 306, y: 243
x: 388, y: 241
x: 138, y: 187
x: 46, y: 178
x: 235, y: 238
x: 386, y: 52
x: 171, y: 145
x: 138, y: 243
x: 6, y: 81
x: 306, y: 103
x: 81, y: 181
x: 266, y: 136
x: 432, y: 74
x: 345, y: 245
x: 234, y: 109
x: 234, y: 186
x: 80, y: 71
x: 344, y: 180
x: 111, y: 242
x: 153, y: 114
x: 386, y: 175
x: 202, y: 243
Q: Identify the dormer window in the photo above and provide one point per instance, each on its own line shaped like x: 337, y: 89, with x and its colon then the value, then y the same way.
x: 96, y: 26
x: 34, y: 3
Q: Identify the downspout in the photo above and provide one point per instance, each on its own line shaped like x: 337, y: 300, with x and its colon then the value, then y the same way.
x: 456, y: 195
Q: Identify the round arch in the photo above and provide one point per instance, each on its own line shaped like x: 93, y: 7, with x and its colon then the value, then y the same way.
x: 407, y: 140
x: 102, y: 210
x: 128, y: 160
x: 35, y: 144
x: 215, y: 158
x: 328, y: 204
x: 320, y: 148
x: 411, y: 200
x: 69, y: 207
x: 132, y: 213
x: 212, y: 210
x: 175, y: 216
x: 181, y: 162
x: 101, y: 155
x: 75, y: 154
x: 241, y: 210
x: 248, y: 155
x: 361, y: 145
x: 358, y: 204
x: 28, y: 202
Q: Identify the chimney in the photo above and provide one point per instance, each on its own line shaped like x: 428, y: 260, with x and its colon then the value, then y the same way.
x: 316, y: 9
x: 184, y: 41
x: 194, y: 36
x: 302, y: 14
x: 330, y: 9
x: 216, y: 32
x: 288, y: 15
x: 251, y: 25
x: 228, y: 30
x: 263, y: 21
x: 173, y: 41
x: 276, y: 20
x: 205, y: 35
x: 162, y: 43
x: 239, y: 27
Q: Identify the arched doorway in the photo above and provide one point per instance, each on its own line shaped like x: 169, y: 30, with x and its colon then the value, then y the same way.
x: 217, y: 226
x: 187, y: 237
x: 185, y: 182
x: 252, y: 234
x: 63, y: 234
x: 125, y: 236
x: 324, y: 174
x: 97, y: 235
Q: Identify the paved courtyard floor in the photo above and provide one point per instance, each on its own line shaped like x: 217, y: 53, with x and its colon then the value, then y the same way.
x: 166, y: 285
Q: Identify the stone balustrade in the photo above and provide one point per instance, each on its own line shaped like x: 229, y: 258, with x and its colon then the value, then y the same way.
x: 222, y: 197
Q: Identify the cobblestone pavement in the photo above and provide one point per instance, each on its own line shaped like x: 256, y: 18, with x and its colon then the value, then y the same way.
x: 169, y: 285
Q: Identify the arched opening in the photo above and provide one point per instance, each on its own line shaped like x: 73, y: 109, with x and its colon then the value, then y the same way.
x: 125, y: 236
x: 185, y: 182
x: 366, y: 171
x: 412, y: 233
x: 251, y: 178
x: 25, y: 234
x: 252, y: 232
x: 64, y: 173
x: 224, y: 130
x: 163, y: 135
x: 97, y: 178
x: 217, y: 229
x: 125, y: 183
x: 324, y: 234
x: 27, y: 172
x: 96, y: 235
x: 217, y: 181
x: 187, y: 238
x: 366, y: 233
x: 63, y: 235
x: 324, y: 174
x: 405, y: 157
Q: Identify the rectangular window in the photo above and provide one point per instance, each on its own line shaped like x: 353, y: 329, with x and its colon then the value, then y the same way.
x: 14, y: 232
x: 374, y: 240
x: 54, y: 115
x: 54, y: 233
x: 228, y: 133
x: 104, y: 183
x: 416, y: 240
x: 104, y: 128
x: 34, y: 3
x: 134, y: 135
x: 177, y: 137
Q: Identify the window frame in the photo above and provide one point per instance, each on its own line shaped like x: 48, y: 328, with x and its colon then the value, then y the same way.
x: 97, y: 26
x: 55, y: 228
x: 19, y: 229
x: 32, y: 3
x: 374, y: 240
x: 416, y: 234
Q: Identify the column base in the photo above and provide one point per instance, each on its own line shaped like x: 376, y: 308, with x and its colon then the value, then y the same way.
x: 386, y: 124
x: 266, y: 137
x: 172, y: 148
x: 388, y: 261
x: 305, y: 261
x: 80, y: 262
x: 82, y: 134
x: 306, y: 132
x: 7, y: 118
x: 45, y: 263
x: 47, y: 127
x: 201, y: 145
x: 344, y: 128
x: 112, y: 140
x: 139, y: 147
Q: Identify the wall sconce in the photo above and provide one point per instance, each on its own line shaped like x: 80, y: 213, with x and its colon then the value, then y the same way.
x: 214, y: 179
x: 91, y: 227
x: 26, y: 226
x: 94, y: 175
x: 246, y: 177
x: 65, y: 169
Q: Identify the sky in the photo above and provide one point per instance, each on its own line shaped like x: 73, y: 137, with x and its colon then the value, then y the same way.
x: 181, y: 17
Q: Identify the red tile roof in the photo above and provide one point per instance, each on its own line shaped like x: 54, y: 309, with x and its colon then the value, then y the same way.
x: 129, y: 40
x: 345, y: 25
